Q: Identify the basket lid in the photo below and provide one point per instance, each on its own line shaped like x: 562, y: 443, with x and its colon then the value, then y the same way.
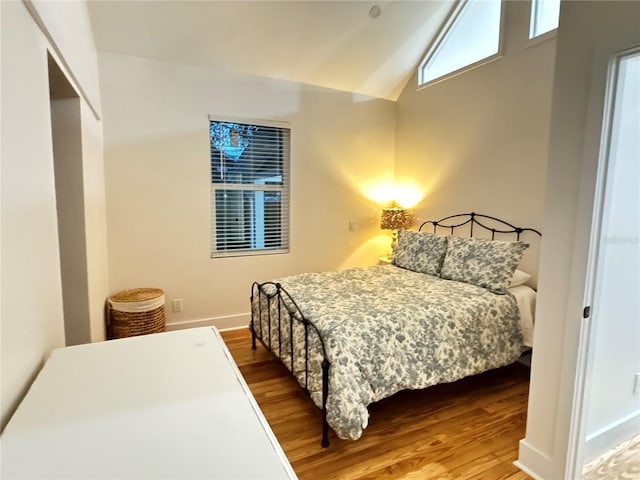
x: 137, y: 295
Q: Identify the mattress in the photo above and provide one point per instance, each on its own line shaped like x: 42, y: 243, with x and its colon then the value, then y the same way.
x: 526, y: 299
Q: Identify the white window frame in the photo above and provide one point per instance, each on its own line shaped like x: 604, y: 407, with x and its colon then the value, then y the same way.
x: 259, y: 188
x: 440, y: 37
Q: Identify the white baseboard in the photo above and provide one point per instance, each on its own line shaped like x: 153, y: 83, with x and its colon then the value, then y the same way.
x: 229, y: 322
x: 532, y: 461
x: 540, y: 466
x: 526, y: 470
x: 607, y: 438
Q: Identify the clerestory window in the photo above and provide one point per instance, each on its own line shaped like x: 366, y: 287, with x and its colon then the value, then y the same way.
x: 545, y: 15
x: 249, y: 188
x: 470, y: 36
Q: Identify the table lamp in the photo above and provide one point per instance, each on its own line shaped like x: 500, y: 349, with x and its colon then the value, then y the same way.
x: 395, y: 218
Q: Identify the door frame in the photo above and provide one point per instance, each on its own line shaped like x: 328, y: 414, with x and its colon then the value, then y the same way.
x: 588, y: 330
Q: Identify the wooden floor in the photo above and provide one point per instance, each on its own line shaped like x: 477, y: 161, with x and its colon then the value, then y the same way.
x: 464, y: 430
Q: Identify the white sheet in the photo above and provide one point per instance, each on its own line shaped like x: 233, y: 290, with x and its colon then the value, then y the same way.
x: 526, y: 298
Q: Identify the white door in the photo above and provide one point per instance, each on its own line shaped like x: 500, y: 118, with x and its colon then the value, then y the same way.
x: 610, y: 412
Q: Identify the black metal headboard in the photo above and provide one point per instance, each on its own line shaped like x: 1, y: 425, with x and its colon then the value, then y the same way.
x: 490, y: 224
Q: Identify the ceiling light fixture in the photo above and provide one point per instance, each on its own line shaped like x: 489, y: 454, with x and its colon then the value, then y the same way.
x: 375, y: 11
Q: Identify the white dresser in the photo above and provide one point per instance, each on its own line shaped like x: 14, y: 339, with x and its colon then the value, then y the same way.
x: 169, y: 405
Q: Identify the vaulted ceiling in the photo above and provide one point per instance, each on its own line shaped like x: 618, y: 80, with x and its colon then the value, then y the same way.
x: 335, y: 44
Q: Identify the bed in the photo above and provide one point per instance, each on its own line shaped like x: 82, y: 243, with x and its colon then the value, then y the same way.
x: 445, y: 308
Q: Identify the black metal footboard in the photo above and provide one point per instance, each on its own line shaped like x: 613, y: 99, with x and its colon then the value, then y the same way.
x: 272, y: 298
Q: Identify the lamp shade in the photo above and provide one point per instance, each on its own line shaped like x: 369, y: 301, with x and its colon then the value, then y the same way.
x: 395, y: 218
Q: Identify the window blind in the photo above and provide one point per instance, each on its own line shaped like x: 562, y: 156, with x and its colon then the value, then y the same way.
x: 249, y: 188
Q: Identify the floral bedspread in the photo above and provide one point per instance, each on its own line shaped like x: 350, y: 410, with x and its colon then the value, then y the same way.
x: 386, y: 329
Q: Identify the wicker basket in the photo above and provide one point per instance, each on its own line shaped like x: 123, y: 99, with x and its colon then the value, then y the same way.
x: 135, y: 312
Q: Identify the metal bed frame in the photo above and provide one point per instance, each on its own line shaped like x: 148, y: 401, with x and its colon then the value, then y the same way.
x: 279, y: 294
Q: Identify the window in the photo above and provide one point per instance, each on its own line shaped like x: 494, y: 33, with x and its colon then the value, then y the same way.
x: 544, y: 16
x: 249, y: 188
x: 470, y: 35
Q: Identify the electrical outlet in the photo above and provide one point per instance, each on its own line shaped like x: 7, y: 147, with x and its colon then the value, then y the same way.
x: 176, y: 305
x: 636, y: 384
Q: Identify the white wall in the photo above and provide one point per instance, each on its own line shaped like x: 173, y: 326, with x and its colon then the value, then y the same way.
x: 589, y: 32
x: 157, y: 164
x: 31, y: 321
x: 67, y: 27
x: 95, y: 220
x: 67, y: 160
x: 478, y: 141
